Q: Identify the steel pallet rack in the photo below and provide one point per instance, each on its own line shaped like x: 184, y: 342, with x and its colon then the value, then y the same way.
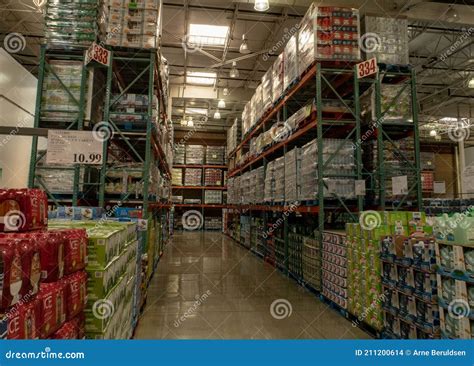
x: 337, y: 81
x: 202, y: 207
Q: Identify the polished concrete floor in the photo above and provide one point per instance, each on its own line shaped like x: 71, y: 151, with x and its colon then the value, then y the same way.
x: 208, y: 287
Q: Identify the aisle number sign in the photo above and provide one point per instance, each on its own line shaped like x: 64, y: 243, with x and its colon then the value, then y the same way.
x: 98, y: 54
x: 73, y: 147
x: 367, y: 68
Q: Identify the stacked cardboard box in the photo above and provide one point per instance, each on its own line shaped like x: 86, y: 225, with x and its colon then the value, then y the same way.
x: 267, y: 89
x: 212, y: 177
x: 292, y: 170
x: 213, y: 223
x: 259, y: 185
x: 278, y: 78
x: 309, y: 171
x: 311, y: 260
x: 177, y: 176
x: 132, y: 24
x: 133, y: 108
x: 393, y: 35
x: 212, y: 197
x: 269, y: 182
x: 193, y: 177
x: 334, y: 267
x: 194, y: 154
x: 234, y: 134
x: 179, y: 152
x: 215, y: 155
x: 279, y: 179
x: 291, y: 63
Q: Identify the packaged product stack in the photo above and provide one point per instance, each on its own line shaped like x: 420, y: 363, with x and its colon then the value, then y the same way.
x: 237, y: 191
x: 398, y: 112
x: 132, y: 109
x: 342, y: 163
x: 291, y: 64
x: 252, y: 186
x: 58, y: 180
x: 393, y: 33
x: 192, y: 177
x: 267, y: 89
x: 177, y: 176
x: 279, y: 178
x: 245, y: 181
x: 455, y: 260
x: 246, y: 116
x: 215, y: 155
x: 302, y: 114
x: 234, y: 134
x: 292, y: 169
x: 309, y: 172
x: 213, y: 177
x: 256, y: 235
x: 177, y: 199
x: 194, y: 154
x: 259, y: 185
x: 212, y: 197
x: 295, y: 252
x: 311, y: 260
x: 269, y: 193
x: 132, y: 24
x: 258, y: 104
x: 252, y: 112
x: 178, y: 154
x: 73, y: 24
x: 364, y: 274
x: 245, y: 223
x: 61, y: 89
x: 278, y: 77
x: 328, y: 33
x: 213, y: 223
x: 334, y: 267
x: 230, y: 191
x: 113, y: 276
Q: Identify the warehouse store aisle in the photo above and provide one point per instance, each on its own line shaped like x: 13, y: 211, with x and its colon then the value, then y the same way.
x: 208, y: 287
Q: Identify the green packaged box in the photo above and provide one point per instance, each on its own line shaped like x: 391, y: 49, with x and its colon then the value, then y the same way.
x: 103, y: 246
x: 101, y: 281
x: 416, y: 218
x: 392, y: 218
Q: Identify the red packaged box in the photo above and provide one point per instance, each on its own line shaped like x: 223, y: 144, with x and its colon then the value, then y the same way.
x: 31, y: 263
x: 24, y: 321
x: 80, y: 324
x: 23, y: 210
x: 52, y: 307
x: 75, y: 250
x: 76, y: 290
x: 11, y: 273
x: 51, y: 244
x: 67, y: 331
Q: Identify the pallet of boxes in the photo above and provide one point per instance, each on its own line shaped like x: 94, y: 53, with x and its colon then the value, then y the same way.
x: 44, y: 283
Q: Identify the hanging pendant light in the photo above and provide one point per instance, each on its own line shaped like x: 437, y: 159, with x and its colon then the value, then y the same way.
x: 261, y: 5
x: 190, y: 122
x: 225, y: 91
x: 217, y: 114
x: 221, y: 104
x: 183, y: 122
x: 244, y: 47
x: 234, y: 73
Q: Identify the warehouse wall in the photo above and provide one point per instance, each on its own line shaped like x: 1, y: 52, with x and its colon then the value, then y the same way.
x: 17, y: 105
x: 446, y: 170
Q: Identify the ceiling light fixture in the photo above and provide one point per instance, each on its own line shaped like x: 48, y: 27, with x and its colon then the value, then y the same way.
x: 261, y: 5
x: 433, y: 133
x: 451, y: 15
x: 190, y: 122
x: 221, y: 104
x: 207, y: 34
x: 217, y: 114
x: 183, y: 122
x: 225, y: 92
x: 234, y: 73
x: 470, y: 83
x: 201, y: 78
x: 244, y: 47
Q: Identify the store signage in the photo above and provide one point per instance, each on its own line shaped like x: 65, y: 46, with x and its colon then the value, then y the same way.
x: 439, y: 187
x: 73, y: 147
x: 98, y: 54
x: 400, y: 185
x: 367, y: 68
x: 360, y: 187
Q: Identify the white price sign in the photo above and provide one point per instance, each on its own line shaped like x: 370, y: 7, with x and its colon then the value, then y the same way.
x: 439, y: 187
x: 367, y: 68
x: 73, y: 147
x: 359, y: 187
x: 98, y: 54
x: 400, y: 185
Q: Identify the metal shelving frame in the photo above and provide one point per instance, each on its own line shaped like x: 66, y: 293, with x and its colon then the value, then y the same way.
x: 339, y: 80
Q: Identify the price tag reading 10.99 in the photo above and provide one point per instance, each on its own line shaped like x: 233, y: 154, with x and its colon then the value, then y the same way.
x: 88, y: 158
x: 367, y: 68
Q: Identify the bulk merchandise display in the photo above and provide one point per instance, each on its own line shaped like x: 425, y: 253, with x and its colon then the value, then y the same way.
x: 292, y: 168
x: 178, y: 154
x: 234, y: 135
x: 215, y: 155
x: 269, y: 182
x: 311, y: 259
x: 213, y: 223
x: 267, y: 96
x: 291, y: 63
x: 212, y: 197
x: 130, y: 109
x: 194, y: 154
x: 192, y: 177
x: 278, y: 78
x: 131, y: 24
x: 393, y: 34
x: 245, y: 224
x: 334, y: 267
x: 177, y: 176
x: 279, y: 180
x: 257, y: 235
x: 212, y: 177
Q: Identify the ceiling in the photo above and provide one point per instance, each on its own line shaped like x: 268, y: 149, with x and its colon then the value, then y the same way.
x: 442, y: 83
